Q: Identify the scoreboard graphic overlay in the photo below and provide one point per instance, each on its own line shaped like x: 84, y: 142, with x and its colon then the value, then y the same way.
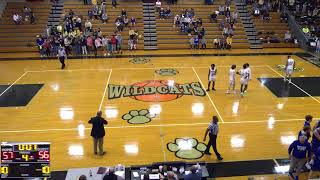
x: 20, y: 160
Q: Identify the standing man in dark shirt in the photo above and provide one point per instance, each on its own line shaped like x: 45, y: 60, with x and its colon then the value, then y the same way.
x: 298, y: 152
x: 213, y: 130
x: 98, y: 132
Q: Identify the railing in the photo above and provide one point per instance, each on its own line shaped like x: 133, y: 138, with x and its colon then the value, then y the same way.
x: 296, y: 29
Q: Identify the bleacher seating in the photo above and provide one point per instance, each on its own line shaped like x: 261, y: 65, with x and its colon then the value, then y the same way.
x: 274, y: 25
x: 21, y: 38
x: 133, y: 8
x: 170, y: 37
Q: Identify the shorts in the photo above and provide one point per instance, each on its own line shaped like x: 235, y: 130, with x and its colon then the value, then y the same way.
x: 244, y: 81
x: 289, y: 71
x: 212, y: 78
x: 297, y: 164
x: 232, y: 82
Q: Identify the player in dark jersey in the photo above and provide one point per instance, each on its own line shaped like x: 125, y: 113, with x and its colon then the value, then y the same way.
x: 316, y: 164
x: 306, y: 131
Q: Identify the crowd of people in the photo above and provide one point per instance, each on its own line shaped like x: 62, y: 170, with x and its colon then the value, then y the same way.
x: 261, y: 9
x: 307, y: 14
x: 28, y: 16
x: 81, y: 38
x: 187, y: 22
x: 303, y: 152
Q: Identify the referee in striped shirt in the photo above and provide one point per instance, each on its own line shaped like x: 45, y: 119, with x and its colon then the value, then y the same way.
x: 213, y: 130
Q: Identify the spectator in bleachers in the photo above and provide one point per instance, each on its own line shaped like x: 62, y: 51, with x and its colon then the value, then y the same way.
x: 114, y: 3
x: 119, y: 43
x: 213, y: 17
x: 40, y: 42
x: 196, y: 42
x: 104, y: 42
x: 113, y: 44
x: 83, y: 42
x: 32, y: 18
x: 123, y: 12
x: 235, y: 16
x: 283, y: 17
x: 119, y: 25
x: 306, y: 30
x: 90, y: 45
x: 191, y: 42
x: 227, y: 11
x: 266, y: 16
x: 125, y: 21
x: 167, y: 12
x: 191, y: 13
x: 223, y: 42
x: 95, y: 11
x: 26, y: 11
x: 256, y: 12
x: 161, y: 13
x: 104, y: 18
x: 229, y: 42
x: 287, y: 37
x: 216, y: 43
x: 77, y: 45
x: 158, y: 5
x: 222, y: 25
x: 103, y: 8
x: 97, y: 45
x: 67, y: 45
x: 318, y: 45
x: 221, y: 9
x: 47, y: 46
x: 208, y: 2
x: 203, y: 43
x: 88, y: 25
x: 90, y: 14
x: 17, y: 19
x: 133, y: 21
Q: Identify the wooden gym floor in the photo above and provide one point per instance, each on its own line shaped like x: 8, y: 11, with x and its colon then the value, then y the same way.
x: 257, y: 126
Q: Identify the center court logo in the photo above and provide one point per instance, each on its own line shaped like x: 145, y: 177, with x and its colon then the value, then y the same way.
x: 155, y: 90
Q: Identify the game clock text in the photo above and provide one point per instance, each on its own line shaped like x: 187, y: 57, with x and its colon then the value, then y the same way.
x: 25, y: 160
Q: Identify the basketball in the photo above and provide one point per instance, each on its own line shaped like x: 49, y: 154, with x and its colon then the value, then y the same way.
x: 155, y: 97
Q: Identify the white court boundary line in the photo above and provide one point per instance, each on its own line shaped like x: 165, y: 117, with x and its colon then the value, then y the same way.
x: 149, y: 126
x: 13, y: 83
x: 108, y: 69
x: 294, y: 84
x: 276, y: 162
x: 214, y: 106
x: 105, y: 90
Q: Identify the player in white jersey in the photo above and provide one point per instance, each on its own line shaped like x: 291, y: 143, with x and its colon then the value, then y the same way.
x: 245, y: 76
x: 212, y: 76
x: 232, y: 79
x: 290, y: 65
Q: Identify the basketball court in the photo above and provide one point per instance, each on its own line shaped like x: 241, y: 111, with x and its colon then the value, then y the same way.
x: 166, y: 114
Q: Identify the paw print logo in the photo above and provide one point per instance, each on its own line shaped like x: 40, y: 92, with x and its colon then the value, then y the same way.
x: 138, y: 116
x: 187, y: 148
x: 167, y: 72
x: 139, y: 60
x: 282, y: 67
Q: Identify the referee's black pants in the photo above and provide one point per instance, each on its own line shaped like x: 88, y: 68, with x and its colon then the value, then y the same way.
x: 213, y: 142
x: 62, y: 58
